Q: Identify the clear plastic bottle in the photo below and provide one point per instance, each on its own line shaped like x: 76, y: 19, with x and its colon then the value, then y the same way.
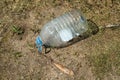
x: 64, y: 30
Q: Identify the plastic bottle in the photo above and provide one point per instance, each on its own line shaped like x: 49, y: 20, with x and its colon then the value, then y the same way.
x: 64, y: 30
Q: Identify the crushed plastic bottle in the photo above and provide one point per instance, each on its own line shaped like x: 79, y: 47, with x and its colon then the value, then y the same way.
x: 64, y: 30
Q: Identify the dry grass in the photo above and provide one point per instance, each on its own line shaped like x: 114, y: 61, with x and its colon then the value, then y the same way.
x: 97, y: 57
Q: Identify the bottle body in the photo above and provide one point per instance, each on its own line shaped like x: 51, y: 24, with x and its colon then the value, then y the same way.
x: 61, y: 30
x: 65, y: 30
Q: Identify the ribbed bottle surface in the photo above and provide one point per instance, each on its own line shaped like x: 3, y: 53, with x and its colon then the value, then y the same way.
x: 59, y: 31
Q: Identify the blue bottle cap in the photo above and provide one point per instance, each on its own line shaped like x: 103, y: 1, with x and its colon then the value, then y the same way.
x: 39, y: 43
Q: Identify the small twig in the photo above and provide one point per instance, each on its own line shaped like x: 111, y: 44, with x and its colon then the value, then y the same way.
x: 64, y: 69
x: 59, y: 66
x: 112, y: 25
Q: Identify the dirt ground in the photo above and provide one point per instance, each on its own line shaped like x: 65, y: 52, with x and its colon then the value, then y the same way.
x: 95, y: 58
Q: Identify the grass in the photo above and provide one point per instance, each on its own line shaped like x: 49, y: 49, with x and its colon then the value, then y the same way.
x: 17, y: 55
x: 17, y: 30
x: 18, y: 10
x: 106, y: 62
x: 101, y: 64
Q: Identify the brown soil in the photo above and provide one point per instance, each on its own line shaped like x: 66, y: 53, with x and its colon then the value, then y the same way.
x: 95, y: 58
